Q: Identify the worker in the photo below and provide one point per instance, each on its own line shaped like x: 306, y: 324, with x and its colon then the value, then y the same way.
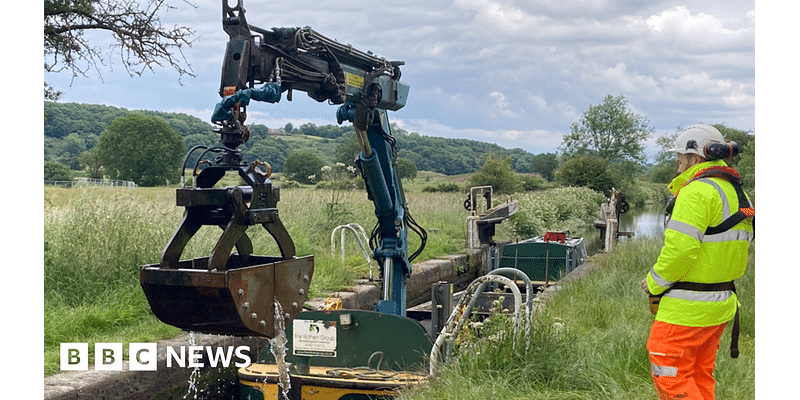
x: 694, y: 273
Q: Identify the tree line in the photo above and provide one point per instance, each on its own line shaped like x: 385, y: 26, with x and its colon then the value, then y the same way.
x: 73, y: 131
x: 603, y: 150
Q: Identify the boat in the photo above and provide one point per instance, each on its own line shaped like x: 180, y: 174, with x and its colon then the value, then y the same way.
x: 545, y: 258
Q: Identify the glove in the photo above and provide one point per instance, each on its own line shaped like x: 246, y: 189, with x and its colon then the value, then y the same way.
x: 644, y: 287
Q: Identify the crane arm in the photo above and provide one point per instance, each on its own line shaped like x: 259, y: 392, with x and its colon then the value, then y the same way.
x: 366, y: 87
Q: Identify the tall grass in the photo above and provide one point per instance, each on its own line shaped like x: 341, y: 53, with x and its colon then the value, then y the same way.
x: 589, y: 342
x: 94, y: 237
x: 95, y: 240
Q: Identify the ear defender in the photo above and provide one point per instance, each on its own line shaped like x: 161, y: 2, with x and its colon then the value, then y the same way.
x: 720, y: 151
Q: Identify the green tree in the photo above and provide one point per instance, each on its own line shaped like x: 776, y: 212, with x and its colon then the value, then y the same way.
x: 496, y: 172
x: 666, y: 166
x: 747, y: 164
x: 533, y: 182
x: 55, y: 171
x: 625, y: 174
x: 347, y: 151
x: 663, y: 172
x: 742, y: 139
x: 143, y: 149
x: 406, y: 169
x: 92, y: 163
x: 302, y: 165
x: 665, y: 143
x: 610, y: 130
x: 72, y: 147
x: 267, y: 152
x: 586, y: 171
x: 544, y: 164
x: 140, y: 38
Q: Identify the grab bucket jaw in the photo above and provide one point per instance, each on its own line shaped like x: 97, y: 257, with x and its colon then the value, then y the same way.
x: 228, y: 293
x: 239, y: 300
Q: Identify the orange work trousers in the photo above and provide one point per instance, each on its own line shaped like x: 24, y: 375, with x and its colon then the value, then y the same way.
x: 682, y: 360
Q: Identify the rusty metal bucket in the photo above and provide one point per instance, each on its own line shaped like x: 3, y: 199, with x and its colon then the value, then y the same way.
x: 236, y: 301
x: 228, y: 293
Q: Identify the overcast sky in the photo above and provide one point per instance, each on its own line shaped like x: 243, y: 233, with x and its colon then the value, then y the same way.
x: 514, y: 73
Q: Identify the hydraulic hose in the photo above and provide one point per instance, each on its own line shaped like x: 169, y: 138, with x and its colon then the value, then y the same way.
x: 466, y: 303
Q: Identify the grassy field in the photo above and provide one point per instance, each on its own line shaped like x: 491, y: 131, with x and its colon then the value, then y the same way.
x: 96, y: 238
x: 589, y: 342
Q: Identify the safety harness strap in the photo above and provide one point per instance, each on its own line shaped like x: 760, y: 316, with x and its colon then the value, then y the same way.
x: 704, y: 287
x: 715, y: 287
x: 745, y: 209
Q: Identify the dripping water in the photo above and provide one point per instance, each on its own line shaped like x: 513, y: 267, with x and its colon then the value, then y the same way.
x: 195, y: 372
x: 278, y: 349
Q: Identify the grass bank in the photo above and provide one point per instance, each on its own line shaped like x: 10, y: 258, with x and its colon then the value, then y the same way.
x: 95, y: 239
x: 589, y: 342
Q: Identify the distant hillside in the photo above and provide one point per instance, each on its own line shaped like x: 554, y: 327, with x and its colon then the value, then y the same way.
x: 71, y: 129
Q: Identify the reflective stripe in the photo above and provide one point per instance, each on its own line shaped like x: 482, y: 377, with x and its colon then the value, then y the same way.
x: 729, y: 236
x: 659, y: 280
x: 699, y: 296
x: 660, y: 370
x: 726, y: 206
x: 686, y: 229
x: 697, y: 234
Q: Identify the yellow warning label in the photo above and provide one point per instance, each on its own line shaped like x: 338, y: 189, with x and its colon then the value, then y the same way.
x: 353, y: 80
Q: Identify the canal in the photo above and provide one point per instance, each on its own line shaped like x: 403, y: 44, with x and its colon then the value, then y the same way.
x: 646, y: 221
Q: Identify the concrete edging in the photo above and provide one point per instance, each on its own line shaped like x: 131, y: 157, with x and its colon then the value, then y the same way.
x: 547, y: 294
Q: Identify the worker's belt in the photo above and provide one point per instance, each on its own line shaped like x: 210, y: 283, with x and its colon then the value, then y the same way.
x: 706, y: 287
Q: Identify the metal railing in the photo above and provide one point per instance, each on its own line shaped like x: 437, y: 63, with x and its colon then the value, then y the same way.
x: 352, y: 228
x: 93, y: 182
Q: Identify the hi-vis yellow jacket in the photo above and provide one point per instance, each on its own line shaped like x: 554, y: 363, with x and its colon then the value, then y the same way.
x: 690, y: 255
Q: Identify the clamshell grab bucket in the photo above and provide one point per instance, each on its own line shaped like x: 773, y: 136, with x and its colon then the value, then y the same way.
x: 228, y: 293
x: 238, y: 301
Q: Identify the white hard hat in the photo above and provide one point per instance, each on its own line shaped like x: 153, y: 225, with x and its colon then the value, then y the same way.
x: 695, y: 138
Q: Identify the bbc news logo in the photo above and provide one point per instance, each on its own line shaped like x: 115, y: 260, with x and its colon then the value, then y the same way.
x: 144, y: 356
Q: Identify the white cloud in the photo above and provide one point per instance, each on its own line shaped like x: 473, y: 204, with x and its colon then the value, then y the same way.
x: 696, y: 88
x: 514, y: 72
x: 739, y: 98
x: 535, y: 139
x: 631, y: 83
x: 501, y: 104
x: 700, y: 30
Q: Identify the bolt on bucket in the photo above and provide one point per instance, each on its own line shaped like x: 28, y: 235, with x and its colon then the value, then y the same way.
x: 236, y: 301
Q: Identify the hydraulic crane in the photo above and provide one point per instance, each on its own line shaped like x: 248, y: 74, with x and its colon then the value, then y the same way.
x: 364, y: 85
x: 232, y: 293
x: 238, y: 293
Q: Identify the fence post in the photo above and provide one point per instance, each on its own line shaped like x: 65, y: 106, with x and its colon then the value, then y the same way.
x: 612, y: 224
